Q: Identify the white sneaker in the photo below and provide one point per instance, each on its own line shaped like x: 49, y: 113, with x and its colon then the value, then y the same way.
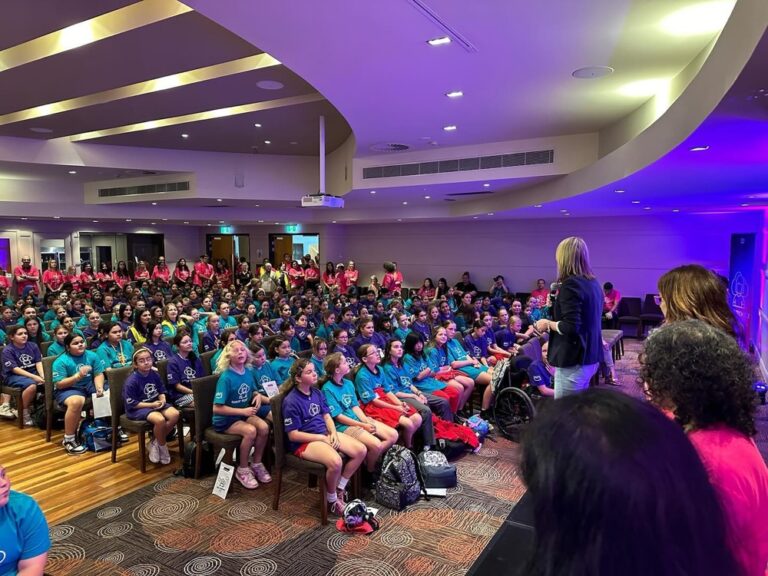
x: 6, y: 412
x: 165, y: 456
x: 154, y: 452
x: 28, y: 420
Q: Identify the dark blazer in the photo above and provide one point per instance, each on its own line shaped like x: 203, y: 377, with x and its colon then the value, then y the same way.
x: 577, y: 308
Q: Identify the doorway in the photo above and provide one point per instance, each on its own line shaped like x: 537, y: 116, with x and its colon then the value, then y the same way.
x: 295, y: 245
x: 228, y: 247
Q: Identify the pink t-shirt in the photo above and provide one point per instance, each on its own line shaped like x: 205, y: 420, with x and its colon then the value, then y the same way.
x: 740, y: 477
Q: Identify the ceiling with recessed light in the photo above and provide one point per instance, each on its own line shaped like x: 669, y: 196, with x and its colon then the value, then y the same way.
x: 93, y: 89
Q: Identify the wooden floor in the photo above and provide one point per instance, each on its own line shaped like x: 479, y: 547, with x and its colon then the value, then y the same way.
x: 65, y: 485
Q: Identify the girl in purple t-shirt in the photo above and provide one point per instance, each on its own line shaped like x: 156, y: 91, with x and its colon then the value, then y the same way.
x: 312, y: 434
x: 144, y: 396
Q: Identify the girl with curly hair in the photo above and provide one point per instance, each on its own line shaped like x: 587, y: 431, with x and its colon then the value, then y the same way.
x: 700, y: 375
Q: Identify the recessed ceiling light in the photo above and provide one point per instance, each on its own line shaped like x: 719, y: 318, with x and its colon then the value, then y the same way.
x: 427, y: 197
x: 744, y: 205
x: 277, y: 223
x: 267, y: 141
x: 269, y: 84
x: 209, y: 224
x: 185, y: 135
x: 186, y: 222
x: 635, y: 201
x: 293, y: 143
x: 474, y: 217
x: 95, y: 221
x: 57, y: 217
x: 373, y: 191
x: 257, y: 205
x: 538, y: 206
x: 486, y: 185
x: 73, y: 171
x: 221, y: 221
x: 37, y: 130
x: 127, y: 219
x: 154, y: 203
x: 153, y: 223
x: 257, y: 125
x: 490, y: 213
x: 567, y: 214
x: 646, y: 207
x: 399, y: 219
x: 333, y: 221
x: 699, y: 148
x: 439, y: 41
x: 619, y: 191
x: 219, y: 200
x: 261, y: 221
x: 165, y: 219
x: 563, y: 210
x: 405, y: 203
x: 592, y: 72
x: 698, y: 19
x: 455, y: 94
x: 676, y: 210
x: 449, y: 128
x: 24, y: 218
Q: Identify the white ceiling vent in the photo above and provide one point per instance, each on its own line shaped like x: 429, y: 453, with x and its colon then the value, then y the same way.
x: 390, y: 147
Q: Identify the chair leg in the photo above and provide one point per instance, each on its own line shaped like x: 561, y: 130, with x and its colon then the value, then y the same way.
x: 323, y: 505
x: 20, y: 408
x: 312, y: 481
x: 180, y: 434
x: 198, y: 456
x: 114, y: 441
x: 357, y: 491
x: 277, y: 482
x: 48, y: 424
x: 143, y: 451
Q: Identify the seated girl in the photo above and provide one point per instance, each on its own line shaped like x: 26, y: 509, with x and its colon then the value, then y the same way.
x: 172, y: 321
x: 183, y: 367
x: 367, y: 335
x: 438, y: 358
x: 226, y: 337
x: 77, y: 374
x: 302, y: 334
x: 377, y: 402
x: 91, y: 329
x: 57, y: 346
x: 347, y: 415
x: 263, y: 373
x: 243, y: 325
x: 124, y: 317
x: 319, y: 354
x: 114, y: 351
x: 312, y: 435
x: 144, y: 396
x: 495, y: 352
x: 464, y: 362
x: 403, y: 326
x: 36, y: 333
x: 160, y: 349
x: 139, y: 330
x: 281, y: 357
x: 325, y: 330
x: 420, y: 324
x: 212, y: 333
x: 341, y: 345
x: 236, y: 407
x: 422, y: 374
x: 22, y: 369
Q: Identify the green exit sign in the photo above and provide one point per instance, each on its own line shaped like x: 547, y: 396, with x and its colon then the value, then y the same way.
x: 227, y: 229
x: 292, y: 228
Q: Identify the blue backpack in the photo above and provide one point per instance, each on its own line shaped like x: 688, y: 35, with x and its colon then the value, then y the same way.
x: 96, y: 435
x: 478, y: 426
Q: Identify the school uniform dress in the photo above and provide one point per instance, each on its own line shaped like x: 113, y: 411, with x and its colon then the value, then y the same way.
x: 234, y: 390
x: 142, y: 388
x: 304, y: 412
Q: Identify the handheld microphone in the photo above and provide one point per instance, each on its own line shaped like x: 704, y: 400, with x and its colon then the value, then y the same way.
x: 554, y: 289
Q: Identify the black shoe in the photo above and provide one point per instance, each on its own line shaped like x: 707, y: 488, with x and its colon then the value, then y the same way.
x: 122, y: 436
x: 72, y: 447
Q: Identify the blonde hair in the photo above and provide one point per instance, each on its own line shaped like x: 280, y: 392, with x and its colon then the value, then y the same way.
x: 223, y: 363
x: 572, y: 257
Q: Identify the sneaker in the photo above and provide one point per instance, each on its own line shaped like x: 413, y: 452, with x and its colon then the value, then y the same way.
x: 72, y: 447
x: 260, y: 471
x: 6, y: 412
x: 154, y: 452
x: 165, y: 456
x: 336, y: 508
x: 245, y: 477
x: 122, y: 436
x: 28, y: 420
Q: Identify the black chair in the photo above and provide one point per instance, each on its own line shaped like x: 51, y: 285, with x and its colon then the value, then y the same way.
x: 205, y: 358
x: 44, y: 348
x: 50, y: 403
x: 185, y: 414
x: 651, y: 312
x: 116, y: 378
x: 204, y: 390
x: 629, y: 312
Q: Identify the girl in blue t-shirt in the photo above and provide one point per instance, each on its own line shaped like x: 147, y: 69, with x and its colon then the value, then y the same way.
x: 349, y: 417
x: 328, y: 326
x: 319, y: 353
x: 226, y: 337
x: 281, y: 357
x: 422, y: 373
x: 145, y: 399
x: 77, y: 374
x: 263, y: 373
x: 114, y: 351
x: 235, y: 411
x: 57, y: 346
x: 463, y: 361
x: 312, y: 433
x: 377, y: 402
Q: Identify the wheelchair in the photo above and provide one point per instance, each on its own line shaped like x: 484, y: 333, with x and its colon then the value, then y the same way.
x: 515, y: 400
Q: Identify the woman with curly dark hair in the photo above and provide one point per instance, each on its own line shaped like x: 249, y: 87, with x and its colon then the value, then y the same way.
x: 618, y: 490
x: 692, y: 291
x: 700, y: 375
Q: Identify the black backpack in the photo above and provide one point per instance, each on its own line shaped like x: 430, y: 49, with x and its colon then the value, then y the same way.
x: 436, y: 470
x: 207, y: 466
x: 400, y: 482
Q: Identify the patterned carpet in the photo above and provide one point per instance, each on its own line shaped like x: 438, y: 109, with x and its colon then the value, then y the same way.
x: 177, y: 526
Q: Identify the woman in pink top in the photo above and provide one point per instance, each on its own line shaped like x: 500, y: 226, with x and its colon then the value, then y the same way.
x: 352, y: 275
x: 53, y: 278
x: 700, y: 376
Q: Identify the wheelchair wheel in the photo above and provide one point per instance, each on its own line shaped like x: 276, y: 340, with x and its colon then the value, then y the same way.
x: 513, y: 410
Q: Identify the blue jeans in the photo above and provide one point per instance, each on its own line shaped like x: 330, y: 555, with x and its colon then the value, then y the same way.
x: 573, y: 379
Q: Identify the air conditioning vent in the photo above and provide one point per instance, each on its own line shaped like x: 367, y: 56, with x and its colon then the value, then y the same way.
x: 479, y: 193
x: 462, y: 164
x: 143, y: 189
x: 390, y: 147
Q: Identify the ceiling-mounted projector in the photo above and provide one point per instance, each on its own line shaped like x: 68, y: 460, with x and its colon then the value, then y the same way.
x: 321, y: 201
